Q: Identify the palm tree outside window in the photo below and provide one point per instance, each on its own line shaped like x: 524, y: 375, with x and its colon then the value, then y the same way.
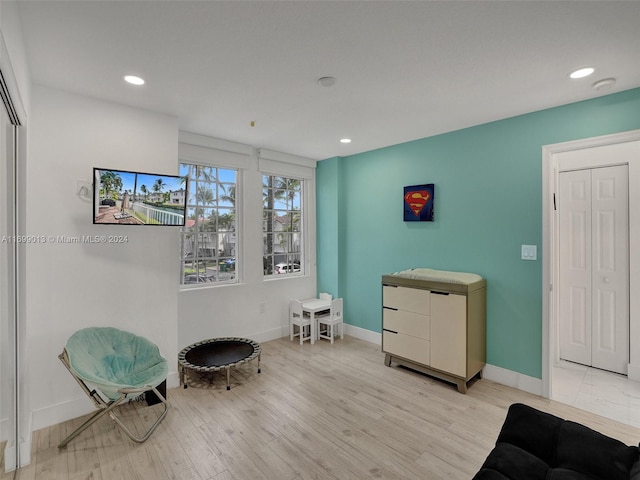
x: 282, y: 225
x: 208, y: 247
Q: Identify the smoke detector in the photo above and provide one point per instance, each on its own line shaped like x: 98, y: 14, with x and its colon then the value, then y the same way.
x: 604, y: 84
x: 326, y: 81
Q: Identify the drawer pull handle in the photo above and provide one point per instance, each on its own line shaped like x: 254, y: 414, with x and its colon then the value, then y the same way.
x: 439, y: 293
x: 390, y: 331
x: 391, y: 308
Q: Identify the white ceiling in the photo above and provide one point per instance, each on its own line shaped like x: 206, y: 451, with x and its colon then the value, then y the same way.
x: 405, y: 69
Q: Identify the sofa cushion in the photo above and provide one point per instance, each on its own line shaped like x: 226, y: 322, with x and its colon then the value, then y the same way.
x: 564, y: 474
x: 515, y: 462
x: 531, y: 430
x: 534, y: 445
x: 635, y: 471
x: 584, y: 450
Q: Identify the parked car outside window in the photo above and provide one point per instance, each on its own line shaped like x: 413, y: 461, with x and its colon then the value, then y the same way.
x: 287, y: 268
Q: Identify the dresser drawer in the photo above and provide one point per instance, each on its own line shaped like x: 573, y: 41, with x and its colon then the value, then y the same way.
x: 408, y: 299
x: 406, y: 346
x: 408, y: 323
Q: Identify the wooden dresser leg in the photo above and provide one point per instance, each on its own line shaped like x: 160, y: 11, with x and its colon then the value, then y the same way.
x: 387, y: 360
x: 462, y: 386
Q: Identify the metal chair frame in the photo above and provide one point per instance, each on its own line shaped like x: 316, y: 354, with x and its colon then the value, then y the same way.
x: 105, y: 407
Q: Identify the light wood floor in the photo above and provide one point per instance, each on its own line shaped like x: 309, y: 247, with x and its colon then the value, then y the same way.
x: 315, y: 412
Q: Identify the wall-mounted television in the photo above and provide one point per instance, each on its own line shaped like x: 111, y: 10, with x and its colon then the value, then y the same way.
x: 122, y: 197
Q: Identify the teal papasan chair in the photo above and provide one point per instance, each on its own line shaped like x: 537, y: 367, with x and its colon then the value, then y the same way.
x: 112, y: 366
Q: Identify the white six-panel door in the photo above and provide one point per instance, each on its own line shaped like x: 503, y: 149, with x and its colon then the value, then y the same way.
x: 594, y: 267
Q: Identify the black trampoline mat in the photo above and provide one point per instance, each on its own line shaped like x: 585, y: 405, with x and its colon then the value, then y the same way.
x: 219, y: 353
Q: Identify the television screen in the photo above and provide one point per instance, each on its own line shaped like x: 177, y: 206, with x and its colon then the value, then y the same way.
x: 134, y: 198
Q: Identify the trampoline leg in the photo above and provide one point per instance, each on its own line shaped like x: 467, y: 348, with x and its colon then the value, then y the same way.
x: 184, y: 376
x: 259, y: 361
x: 228, y: 369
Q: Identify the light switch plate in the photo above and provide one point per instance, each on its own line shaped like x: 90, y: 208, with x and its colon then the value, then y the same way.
x: 529, y: 252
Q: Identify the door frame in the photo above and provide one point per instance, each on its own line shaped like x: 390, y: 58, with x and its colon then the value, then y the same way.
x: 550, y: 246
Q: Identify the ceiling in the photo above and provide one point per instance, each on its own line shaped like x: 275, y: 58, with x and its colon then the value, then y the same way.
x: 404, y: 69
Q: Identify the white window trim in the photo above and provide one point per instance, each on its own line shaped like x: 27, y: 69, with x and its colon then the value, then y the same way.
x: 271, y: 162
x: 286, y: 165
x: 212, y: 152
x: 202, y: 150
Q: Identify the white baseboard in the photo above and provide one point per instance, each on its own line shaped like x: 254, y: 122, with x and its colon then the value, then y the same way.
x: 490, y: 372
x: 4, y: 422
x: 45, y: 417
x: 54, y: 414
x: 352, y: 331
x: 363, y: 334
x: 633, y: 372
x: 513, y: 379
x: 25, y: 452
x: 10, y: 455
x: 9, y: 459
x: 272, y: 334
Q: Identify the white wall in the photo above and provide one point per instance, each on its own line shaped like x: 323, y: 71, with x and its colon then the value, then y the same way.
x: 131, y: 285
x: 255, y: 309
x: 13, y: 60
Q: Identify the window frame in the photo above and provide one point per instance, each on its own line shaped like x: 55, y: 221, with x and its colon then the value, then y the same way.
x: 236, y: 227
x: 271, y: 162
x: 289, y: 261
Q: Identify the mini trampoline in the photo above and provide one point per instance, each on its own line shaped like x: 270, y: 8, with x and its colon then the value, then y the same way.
x: 215, y: 354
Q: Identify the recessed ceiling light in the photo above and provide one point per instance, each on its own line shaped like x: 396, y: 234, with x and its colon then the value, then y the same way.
x: 133, y: 80
x: 345, y: 140
x: 582, y: 72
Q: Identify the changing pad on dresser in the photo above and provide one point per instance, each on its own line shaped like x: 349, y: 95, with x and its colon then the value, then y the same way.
x: 460, y: 278
x: 440, y: 280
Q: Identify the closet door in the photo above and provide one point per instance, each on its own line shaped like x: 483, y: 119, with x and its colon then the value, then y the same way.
x: 610, y: 272
x: 594, y: 267
x: 8, y: 385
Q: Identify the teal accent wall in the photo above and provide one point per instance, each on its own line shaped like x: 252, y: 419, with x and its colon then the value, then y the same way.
x: 327, y: 218
x: 488, y: 186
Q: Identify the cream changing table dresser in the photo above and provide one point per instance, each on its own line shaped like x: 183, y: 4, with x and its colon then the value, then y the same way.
x: 434, y: 321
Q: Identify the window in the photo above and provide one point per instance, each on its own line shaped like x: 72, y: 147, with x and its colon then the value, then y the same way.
x: 282, y: 225
x: 208, y: 247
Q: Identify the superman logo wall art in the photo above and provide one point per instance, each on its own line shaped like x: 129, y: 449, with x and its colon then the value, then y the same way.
x: 418, y: 203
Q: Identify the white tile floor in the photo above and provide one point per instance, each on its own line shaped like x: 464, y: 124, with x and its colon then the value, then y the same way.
x: 604, y: 393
